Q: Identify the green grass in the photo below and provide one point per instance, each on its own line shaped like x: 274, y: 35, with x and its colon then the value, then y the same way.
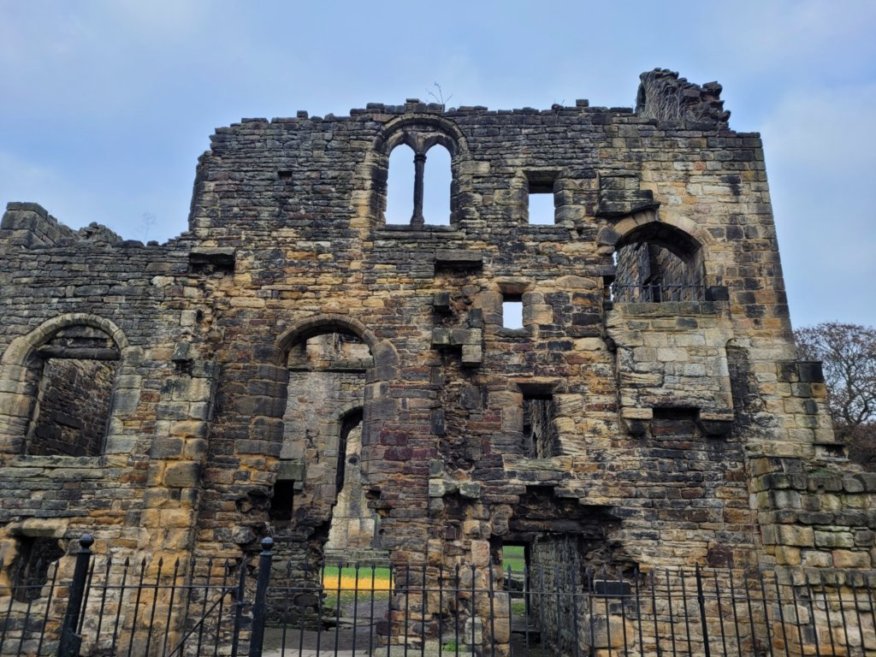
x: 512, y: 556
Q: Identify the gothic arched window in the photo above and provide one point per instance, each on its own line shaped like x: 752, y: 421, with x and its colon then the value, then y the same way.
x: 417, y: 176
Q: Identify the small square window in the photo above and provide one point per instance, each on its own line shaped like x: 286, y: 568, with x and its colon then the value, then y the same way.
x: 512, y: 312
x: 541, y: 210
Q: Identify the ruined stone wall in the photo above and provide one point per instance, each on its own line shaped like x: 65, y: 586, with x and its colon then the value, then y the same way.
x: 137, y: 492
x: 658, y: 409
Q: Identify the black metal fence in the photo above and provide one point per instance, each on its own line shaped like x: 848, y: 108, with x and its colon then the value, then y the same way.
x: 251, y: 607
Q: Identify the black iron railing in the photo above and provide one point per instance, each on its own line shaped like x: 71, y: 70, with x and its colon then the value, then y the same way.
x: 99, y: 606
x: 656, y: 293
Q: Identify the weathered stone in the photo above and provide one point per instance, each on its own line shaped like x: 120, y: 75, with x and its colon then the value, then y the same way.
x: 294, y: 365
x: 834, y: 539
x: 182, y: 475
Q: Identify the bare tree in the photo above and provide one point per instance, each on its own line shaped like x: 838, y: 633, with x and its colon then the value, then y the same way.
x: 848, y: 354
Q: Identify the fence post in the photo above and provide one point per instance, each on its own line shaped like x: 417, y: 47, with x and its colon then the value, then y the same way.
x: 258, y: 607
x: 70, y: 641
x: 701, y: 599
x: 239, y: 603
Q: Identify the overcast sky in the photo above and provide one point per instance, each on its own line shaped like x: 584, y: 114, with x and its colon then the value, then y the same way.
x: 106, y: 105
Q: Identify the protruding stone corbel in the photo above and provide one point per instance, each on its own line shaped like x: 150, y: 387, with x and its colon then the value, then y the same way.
x: 715, y: 424
x: 468, y: 340
x: 441, y: 302
x: 637, y: 420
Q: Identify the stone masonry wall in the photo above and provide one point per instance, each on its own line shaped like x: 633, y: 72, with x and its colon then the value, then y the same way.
x: 66, y: 421
x: 662, y: 412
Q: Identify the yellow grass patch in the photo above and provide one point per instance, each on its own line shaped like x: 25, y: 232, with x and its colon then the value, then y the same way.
x: 348, y: 583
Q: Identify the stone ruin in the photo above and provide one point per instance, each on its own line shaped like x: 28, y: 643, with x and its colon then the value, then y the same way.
x: 301, y: 365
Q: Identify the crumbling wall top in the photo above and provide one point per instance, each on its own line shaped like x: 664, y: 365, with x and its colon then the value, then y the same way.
x: 30, y: 225
x: 670, y: 99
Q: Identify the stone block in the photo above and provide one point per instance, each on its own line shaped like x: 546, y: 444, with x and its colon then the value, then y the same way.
x: 816, y: 559
x: 182, y: 475
x: 472, y: 355
x: 796, y: 536
x: 441, y: 337
x: 629, y: 413
x: 291, y: 470
x: 851, y: 559
x: 167, y: 448
x: 44, y: 527
x: 470, y: 489
x: 834, y: 539
x: 458, y: 259
x: 480, y: 553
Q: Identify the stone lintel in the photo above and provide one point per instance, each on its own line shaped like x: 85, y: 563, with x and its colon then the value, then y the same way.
x: 458, y: 259
x: 222, y: 257
x: 291, y: 470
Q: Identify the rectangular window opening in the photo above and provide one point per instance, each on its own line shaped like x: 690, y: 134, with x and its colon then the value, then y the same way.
x: 515, y: 558
x: 542, y: 211
x: 541, y: 203
x: 678, y: 423
x: 540, y: 438
x: 283, y: 500
x: 512, y: 312
x: 31, y: 565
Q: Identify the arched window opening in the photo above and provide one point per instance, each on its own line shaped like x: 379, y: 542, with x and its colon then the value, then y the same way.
x: 436, y: 186
x: 71, y: 376
x: 658, y: 263
x: 400, y: 186
x: 417, y: 188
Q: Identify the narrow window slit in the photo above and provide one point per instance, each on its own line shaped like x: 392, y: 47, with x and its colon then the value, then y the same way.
x: 282, y: 501
x: 540, y: 438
